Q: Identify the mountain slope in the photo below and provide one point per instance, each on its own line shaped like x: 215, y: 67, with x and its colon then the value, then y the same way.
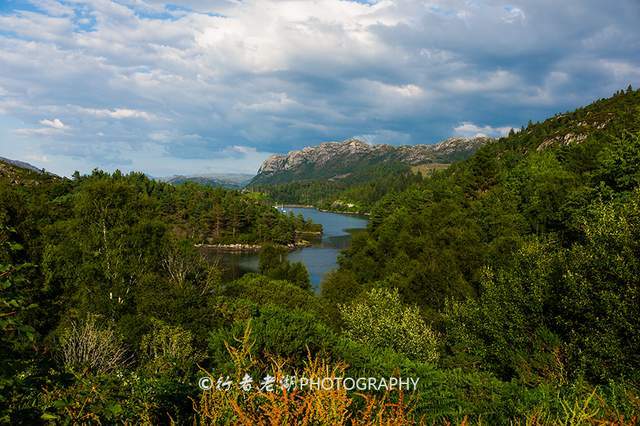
x: 338, y: 160
x: 19, y: 172
x: 229, y: 180
x: 21, y: 164
x: 541, y: 182
x: 526, y: 250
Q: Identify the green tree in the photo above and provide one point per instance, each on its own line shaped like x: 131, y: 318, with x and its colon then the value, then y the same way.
x: 274, y: 264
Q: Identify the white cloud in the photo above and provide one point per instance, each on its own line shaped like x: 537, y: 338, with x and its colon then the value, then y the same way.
x: 513, y: 14
x: 119, y: 113
x: 274, y: 75
x: 44, y: 131
x: 52, y: 7
x: 384, y: 136
x: 495, y: 81
x: 246, y: 150
x: 468, y: 129
x: 52, y: 128
x: 55, y: 123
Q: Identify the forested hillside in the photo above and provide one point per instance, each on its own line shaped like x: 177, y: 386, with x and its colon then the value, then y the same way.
x: 507, y: 283
x: 526, y: 256
x: 356, y: 193
x: 351, y: 176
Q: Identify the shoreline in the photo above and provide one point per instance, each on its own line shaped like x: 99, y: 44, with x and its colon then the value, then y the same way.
x: 295, y: 206
x: 308, y: 206
x: 343, y: 212
x: 250, y: 248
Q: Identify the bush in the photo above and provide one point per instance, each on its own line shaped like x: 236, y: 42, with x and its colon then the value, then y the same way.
x: 379, y: 319
x: 274, y: 264
x: 288, y: 333
x: 266, y: 291
x: 87, y: 347
x: 168, y: 349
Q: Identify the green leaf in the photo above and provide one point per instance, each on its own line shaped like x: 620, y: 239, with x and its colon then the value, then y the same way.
x: 48, y: 416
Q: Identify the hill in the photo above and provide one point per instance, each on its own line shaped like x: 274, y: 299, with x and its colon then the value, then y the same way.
x: 339, y: 160
x: 525, y: 254
x: 19, y: 172
x: 351, y: 175
x: 225, y: 180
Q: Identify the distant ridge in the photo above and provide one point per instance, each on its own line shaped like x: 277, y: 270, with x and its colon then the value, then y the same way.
x: 22, y: 173
x: 338, y: 159
x: 224, y: 180
x: 22, y: 165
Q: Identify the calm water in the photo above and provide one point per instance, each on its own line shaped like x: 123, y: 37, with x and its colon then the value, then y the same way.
x: 319, y: 258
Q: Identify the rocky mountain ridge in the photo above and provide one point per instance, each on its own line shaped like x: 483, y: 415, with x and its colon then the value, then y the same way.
x: 334, y: 158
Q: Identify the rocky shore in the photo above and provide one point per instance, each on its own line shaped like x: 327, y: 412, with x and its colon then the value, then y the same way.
x: 343, y: 212
x: 249, y: 248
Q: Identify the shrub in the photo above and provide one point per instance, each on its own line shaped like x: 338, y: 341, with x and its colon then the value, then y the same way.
x: 276, y: 331
x: 380, y: 319
x: 168, y: 349
x: 87, y: 347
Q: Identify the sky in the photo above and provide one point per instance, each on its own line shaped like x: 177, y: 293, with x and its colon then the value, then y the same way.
x: 216, y: 86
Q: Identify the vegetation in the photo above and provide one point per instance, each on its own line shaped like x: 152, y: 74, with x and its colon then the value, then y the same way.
x: 507, y: 283
x: 379, y: 319
x: 355, y: 193
x: 274, y: 264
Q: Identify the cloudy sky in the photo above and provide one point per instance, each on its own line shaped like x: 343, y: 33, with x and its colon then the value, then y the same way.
x: 205, y: 86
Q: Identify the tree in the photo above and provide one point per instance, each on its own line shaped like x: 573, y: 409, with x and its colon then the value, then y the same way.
x: 271, y: 258
x: 274, y: 264
x: 508, y: 329
x: 340, y: 286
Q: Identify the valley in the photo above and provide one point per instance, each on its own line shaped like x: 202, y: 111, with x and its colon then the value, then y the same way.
x: 507, y: 280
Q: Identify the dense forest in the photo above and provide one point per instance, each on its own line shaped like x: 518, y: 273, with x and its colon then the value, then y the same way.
x: 508, y: 283
x: 356, y: 193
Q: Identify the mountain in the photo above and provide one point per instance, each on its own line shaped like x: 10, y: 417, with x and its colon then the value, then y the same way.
x: 336, y: 160
x: 21, y: 165
x: 19, y: 172
x: 224, y: 180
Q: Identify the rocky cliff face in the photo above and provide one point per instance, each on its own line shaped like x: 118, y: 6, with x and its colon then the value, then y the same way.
x: 334, y: 158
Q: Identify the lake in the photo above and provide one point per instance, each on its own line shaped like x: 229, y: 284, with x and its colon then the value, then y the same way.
x: 319, y: 258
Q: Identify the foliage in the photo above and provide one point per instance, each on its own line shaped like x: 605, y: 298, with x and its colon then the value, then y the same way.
x: 88, y: 347
x: 264, y: 291
x: 16, y: 334
x: 286, y: 333
x: 508, y: 283
x: 168, y: 350
x: 380, y: 319
x: 274, y: 264
x: 285, y: 405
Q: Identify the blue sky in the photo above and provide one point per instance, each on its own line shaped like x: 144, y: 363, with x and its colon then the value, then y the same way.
x: 212, y: 86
